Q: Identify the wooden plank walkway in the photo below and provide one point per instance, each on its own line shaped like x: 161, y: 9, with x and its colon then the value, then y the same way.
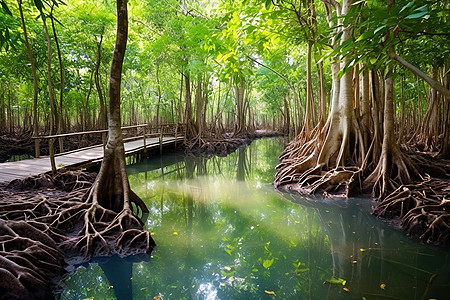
x: 78, y: 158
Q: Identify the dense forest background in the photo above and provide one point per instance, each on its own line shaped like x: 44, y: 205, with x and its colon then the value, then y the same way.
x: 222, y: 65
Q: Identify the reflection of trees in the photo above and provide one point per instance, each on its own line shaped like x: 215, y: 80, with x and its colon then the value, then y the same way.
x: 367, y: 254
x: 242, y: 166
x: 119, y: 273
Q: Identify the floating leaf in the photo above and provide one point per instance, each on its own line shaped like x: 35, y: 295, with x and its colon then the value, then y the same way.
x: 267, y: 263
x: 346, y: 289
x: 269, y: 292
x: 300, y: 271
x: 157, y: 297
x: 336, y: 280
x: 362, y: 249
x: 383, y: 286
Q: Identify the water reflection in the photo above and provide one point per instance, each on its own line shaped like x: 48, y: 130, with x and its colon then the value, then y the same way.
x: 224, y: 233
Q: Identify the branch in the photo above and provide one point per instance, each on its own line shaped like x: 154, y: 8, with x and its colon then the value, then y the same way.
x: 281, y: 76
x: 433, y: 83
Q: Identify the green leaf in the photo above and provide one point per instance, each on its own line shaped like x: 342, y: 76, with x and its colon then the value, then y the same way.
x: 364, y: 36
x: 417, y: 15
x: 5, y: 8
x: 358, y: 2
x: 300, y: 271
x: 379, y: 28
x: 407, y: 6
x: 336, y: 280
x: 267, y: 263
x: 373, y: 61
x: 422, y: 8
x: 39, y: 5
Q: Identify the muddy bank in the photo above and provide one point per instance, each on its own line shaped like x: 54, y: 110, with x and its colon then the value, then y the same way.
x: 226, y: 144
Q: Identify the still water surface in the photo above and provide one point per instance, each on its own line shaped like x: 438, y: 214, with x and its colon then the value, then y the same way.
x: 223, y: 232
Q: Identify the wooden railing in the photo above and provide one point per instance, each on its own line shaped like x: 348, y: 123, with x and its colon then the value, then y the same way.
x: 148, y: 131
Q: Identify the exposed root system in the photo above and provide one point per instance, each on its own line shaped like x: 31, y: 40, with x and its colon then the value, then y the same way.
x: 420, y: 203
x: 56, y: 224
x: 224, y: 145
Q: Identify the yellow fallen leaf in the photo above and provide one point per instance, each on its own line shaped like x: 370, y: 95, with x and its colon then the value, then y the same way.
x: 269, y: 292
x: 157, y: 298
x: 344, y: 282
x: 383, y: 286
x: 346, y: 289
x: 362, y: 249
x: 175, y: 233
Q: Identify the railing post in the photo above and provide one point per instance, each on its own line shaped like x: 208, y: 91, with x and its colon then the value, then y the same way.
x: 104, y: 140
x: 37, y: 148
x: 52, y: 154
x: 145, y: 142
x: 61, y: 145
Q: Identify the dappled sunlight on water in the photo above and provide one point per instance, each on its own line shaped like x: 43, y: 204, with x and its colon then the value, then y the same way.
x: 223, y: 232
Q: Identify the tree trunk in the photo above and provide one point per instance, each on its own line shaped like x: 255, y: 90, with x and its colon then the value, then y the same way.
x: 102, y: 116
x: 402, y: 112
x: 49, y: 76
x: 240, y: 109
x: 190, y: 126
x: 199, y: 106
x: 322, y: 96
x: 61, y: 85
x: 158, y: 85
x: 33, y: 70
x: 9, y: 113
x: 2, y: 112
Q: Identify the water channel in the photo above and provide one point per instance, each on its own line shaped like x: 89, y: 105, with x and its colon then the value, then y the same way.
x: 223, y: 232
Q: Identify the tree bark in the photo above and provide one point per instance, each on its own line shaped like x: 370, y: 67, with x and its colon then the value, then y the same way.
x: 49, y: 76
x: 33, y: 70
x: 111, y: 188
x: 61, y: 85
x: 102, y: 115
x: 158, y: 85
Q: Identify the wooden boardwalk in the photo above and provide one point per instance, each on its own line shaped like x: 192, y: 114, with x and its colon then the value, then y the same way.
x: 77, y: 158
